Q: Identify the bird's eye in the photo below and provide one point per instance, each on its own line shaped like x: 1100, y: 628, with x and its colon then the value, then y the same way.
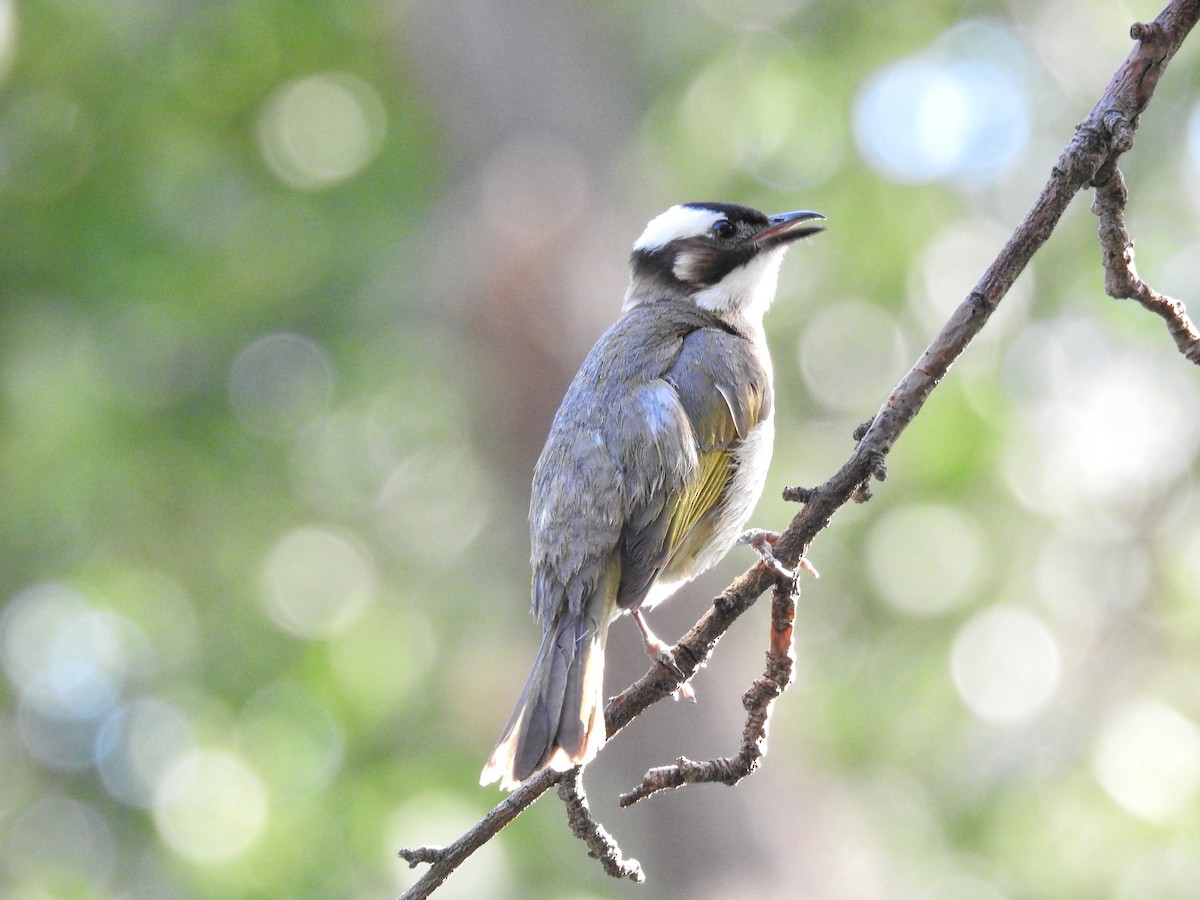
x: 722, y: 229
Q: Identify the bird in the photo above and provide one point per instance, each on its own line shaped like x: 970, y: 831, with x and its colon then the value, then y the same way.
x: 652, y: 466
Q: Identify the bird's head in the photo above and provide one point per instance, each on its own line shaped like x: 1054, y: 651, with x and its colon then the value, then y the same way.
x: 721, y: 256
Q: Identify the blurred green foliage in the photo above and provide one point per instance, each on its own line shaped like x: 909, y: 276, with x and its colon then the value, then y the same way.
x: 288, y: 294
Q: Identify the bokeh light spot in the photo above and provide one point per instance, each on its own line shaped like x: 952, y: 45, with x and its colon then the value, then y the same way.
x: 1148, y: 759
x: 69, y: 664
x: 1006, y: 664
x: 319, y: 131
x: 30, y: 627
x: 210, y: 807
x: 137, y: 744
x: 316, y: 582
x: 1102, y: 424
x: 948, y: 113
x: 280, y: 383
x: 926, y: 559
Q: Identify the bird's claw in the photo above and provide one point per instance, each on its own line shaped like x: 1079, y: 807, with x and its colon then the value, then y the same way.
x: 762, y: 542
x: 660, y: 652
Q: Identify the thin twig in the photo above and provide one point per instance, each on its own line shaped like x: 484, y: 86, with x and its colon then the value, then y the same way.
x: 1103, y: 136
x: 1157, y: 42
x: 758, y: 701
x: 600, y: 843
x: 1121, y: 280
x: 444, y: 860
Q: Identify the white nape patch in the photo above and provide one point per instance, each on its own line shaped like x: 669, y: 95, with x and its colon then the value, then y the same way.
x: 677, y: 222
x: 746, y: 292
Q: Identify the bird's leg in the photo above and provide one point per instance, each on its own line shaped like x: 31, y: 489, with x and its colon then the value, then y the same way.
x: 763, y: 542
x: 660, y: 651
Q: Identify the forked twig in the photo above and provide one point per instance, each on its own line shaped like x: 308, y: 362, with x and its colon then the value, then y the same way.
x: 758, y: 701
x: 600, y: 843
x: 1121, y: 280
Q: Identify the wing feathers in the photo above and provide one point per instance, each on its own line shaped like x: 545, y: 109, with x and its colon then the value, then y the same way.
x: 715, y: 392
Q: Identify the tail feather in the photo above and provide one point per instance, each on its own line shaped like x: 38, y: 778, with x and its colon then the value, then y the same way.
x: 559, y: 720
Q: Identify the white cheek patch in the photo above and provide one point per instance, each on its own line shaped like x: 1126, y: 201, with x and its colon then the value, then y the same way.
x: 690, y: 264
x: 677, y: 222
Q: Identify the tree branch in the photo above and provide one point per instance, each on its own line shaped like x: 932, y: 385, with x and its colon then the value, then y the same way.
x: 758, y: 700
x: 1089, y: 159
x: 444, y: 860
x: 1121, y: 280
x: 600, y: 843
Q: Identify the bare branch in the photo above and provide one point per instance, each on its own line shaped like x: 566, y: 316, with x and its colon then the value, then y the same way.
x: 758, y: 700
x: 1135, y: 82
x: 1121, y: 280
x: 600, y: 843
x: 444, y: 860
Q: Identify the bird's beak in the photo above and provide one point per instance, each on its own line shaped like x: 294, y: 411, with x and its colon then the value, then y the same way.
x: 788, y: 227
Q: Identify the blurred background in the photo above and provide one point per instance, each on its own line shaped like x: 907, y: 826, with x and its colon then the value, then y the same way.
x: 289, y: 293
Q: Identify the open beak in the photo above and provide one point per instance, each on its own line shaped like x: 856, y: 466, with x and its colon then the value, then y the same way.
x: 788, y: 227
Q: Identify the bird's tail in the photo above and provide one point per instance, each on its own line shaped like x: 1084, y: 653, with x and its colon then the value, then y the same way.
x: 559, y: 720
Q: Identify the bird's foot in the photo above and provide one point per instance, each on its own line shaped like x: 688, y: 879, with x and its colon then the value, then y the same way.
x: 762, y: 542
x: 660, y: 652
